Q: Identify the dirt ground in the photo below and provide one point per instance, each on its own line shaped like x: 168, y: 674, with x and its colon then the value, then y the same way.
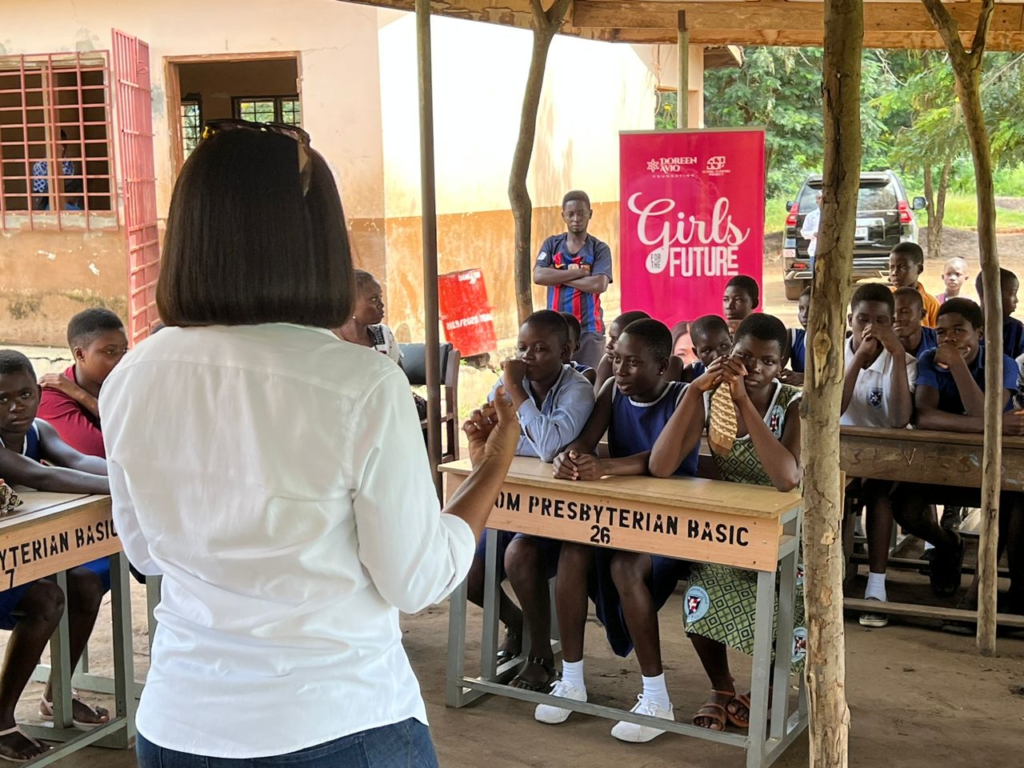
x: 919, y: 698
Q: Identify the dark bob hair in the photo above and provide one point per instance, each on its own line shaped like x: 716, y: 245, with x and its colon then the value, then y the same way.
x: 244, y: 246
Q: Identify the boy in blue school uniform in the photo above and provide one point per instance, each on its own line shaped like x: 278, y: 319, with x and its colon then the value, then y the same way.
x: 1013, y: 329
x: 950, y: 397
x: 32, y: 611
x: 553, y: 403
x: 576, y: 268
x: 628, y: 588
x: 711, y: 340
x: 908, y: 322
x: 798, y: 343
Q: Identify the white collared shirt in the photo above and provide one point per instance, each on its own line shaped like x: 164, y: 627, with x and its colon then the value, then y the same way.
x: 277, y: 478
x: 871, y: 403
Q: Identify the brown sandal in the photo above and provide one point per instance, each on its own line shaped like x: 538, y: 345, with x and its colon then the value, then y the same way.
x: 546, y: 664
x: 743, y: 700
x: 714, y: 712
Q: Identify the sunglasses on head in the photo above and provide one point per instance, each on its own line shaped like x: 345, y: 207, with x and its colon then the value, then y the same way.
x: 300, y: 137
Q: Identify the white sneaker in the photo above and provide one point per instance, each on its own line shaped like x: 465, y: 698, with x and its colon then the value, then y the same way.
x: 546, y: 713
x: 642, y: 733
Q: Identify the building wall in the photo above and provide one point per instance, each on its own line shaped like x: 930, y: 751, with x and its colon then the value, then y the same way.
x: 338, y: 65
x: 591, y: 91
x: 357, y: 77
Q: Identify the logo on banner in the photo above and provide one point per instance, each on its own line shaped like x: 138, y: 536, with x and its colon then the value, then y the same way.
x: 715, y: 164
x: 668, y: 166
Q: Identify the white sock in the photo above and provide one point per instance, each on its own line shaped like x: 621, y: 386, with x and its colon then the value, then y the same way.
x: 876, y: 587
x: 928, y: 545
x: 656, y: 691
x: 572, y: 673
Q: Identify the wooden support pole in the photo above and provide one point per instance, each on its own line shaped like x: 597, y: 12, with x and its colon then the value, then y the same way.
x: 967, y: 69
x: 826, y: 331
x: 545, y: 26
x: 429, y: 230
x: 683, y: 89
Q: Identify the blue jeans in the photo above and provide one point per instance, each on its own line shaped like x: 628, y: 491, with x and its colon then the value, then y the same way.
x: 402, y: 745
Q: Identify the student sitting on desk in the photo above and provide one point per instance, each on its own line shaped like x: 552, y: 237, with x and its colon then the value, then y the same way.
x: 906, y: 263
x: 604, y: 368
x: 33, y: 610
x: 575, y: 329
x: 877, y: 392
x: 741, y: 298
x: 908, y: 323
x: 553, y: 402
x: 798, y: 343
x: 951, y: 398
x: 1013, y: 329
x: 711, y: 340
x: 720, y: 603
x: 628, y: 588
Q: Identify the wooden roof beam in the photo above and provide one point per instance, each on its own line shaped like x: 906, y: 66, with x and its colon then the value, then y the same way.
x: 767, y: 15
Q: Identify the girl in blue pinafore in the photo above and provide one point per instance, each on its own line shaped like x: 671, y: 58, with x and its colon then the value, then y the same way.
x: 719, y: 605
x: 627, y: 588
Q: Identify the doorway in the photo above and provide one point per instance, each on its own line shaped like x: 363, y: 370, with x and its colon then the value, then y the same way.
x: 258, y: 87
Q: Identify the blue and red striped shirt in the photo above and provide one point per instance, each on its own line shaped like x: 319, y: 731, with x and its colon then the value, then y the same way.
x: 586, y: 307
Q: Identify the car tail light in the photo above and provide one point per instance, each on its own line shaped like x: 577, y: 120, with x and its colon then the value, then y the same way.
x: 905, y: 217
x: 793, y: 213
x: 799, y: 265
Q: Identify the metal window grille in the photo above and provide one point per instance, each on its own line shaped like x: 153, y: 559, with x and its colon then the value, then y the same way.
x: 56, y: 153
x: 191, y: 125
x: 270, y: 109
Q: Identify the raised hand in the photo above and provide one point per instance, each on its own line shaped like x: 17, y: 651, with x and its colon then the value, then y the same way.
x: 493, y: 431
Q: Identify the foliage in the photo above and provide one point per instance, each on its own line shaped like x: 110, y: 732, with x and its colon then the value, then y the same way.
x: 909, y: 110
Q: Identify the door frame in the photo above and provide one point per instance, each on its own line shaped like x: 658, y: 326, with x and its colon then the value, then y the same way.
x: 172, y: 89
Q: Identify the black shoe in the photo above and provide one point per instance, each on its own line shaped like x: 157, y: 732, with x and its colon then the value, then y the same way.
x: 928, y: 556
x: 952, y: 517
x: 947, y: 568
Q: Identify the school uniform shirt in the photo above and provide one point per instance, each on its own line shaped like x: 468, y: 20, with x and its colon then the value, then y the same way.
x: 634, y: 427
x: 797, y: 349
x: 1013, y: 337
x: 76, y: 426
x: 929, y: 340
x: 871, y: 403
x: 558, y: 421
x: 586, y: 307
x: 930, y: 375
x: 278, y: 481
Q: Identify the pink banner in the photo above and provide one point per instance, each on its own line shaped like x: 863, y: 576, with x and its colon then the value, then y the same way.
x: 691, y: 217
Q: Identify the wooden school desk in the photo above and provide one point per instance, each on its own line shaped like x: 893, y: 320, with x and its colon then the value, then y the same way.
x: 936, y: 458
x: 695, y: 520
x: 47, y: 535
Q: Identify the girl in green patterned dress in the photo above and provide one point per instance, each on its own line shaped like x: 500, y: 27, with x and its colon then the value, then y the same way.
x: 720, y: 601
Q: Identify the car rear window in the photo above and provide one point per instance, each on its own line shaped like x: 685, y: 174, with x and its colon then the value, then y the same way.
x: 873, y: 196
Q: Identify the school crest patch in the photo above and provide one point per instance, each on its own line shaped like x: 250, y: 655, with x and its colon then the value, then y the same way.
x: 775, y: 421
x: 799, y: 644
x: 875, y: 397
x: 799, y: 574
x: 696, y: 604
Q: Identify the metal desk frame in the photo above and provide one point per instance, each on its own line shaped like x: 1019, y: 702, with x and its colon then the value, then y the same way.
x: 120, y: 732
x: 762, y: 743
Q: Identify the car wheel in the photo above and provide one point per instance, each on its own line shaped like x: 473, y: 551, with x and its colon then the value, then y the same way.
x: 794, y: 288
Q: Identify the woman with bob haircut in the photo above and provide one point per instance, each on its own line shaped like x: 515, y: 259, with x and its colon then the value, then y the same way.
x: 276, y: 477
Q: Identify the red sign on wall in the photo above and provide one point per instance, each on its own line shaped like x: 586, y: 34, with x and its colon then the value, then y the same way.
x: 466, y: 312
x: 692, y: 217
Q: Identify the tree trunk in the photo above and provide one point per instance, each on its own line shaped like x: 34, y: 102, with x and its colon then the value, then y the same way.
x: 934, y: 243
x: 940, y: 209
x: 967, y: 69
x: 822, y: 483
x: 545, y: 26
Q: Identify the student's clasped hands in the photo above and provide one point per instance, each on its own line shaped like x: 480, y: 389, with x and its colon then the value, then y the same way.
x: 573, y: 465
x: 948, y: 355
x: 725, y: 370
x: 493, y: 431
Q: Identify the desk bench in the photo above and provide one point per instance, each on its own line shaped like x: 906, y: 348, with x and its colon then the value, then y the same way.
x: 48, y: 535
x: 690, y: 519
